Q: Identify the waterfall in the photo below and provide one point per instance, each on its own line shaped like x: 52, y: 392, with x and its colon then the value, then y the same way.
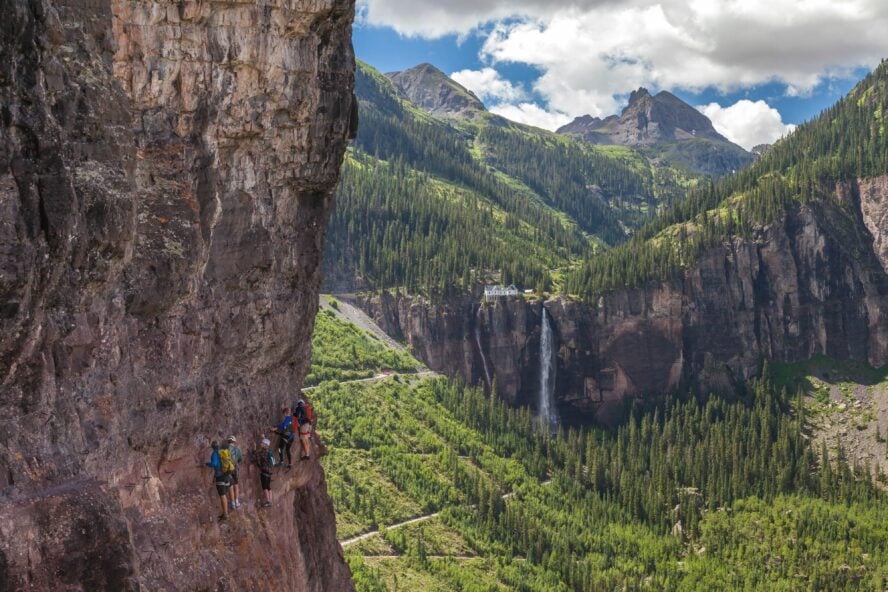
x: 481, y: 348
x: 548, y: 413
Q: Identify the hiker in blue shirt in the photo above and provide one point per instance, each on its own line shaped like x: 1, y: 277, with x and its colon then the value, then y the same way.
x: 222, y: 480
x: 284, y: 431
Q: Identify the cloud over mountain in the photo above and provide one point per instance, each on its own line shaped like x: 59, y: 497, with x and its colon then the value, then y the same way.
x: 489, y: 86
x: 747, y: 123
x: 591, y: 53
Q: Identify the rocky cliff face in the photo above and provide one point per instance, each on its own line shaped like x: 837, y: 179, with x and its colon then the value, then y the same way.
x: 814, y: 283
x: 166, y: 172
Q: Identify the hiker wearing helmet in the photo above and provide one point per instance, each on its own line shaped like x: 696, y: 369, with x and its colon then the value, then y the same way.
x: 303, y: 417
x: 284, y: 431
x: 236, y: 457
x: 265, y: 462
x: 221, y: 479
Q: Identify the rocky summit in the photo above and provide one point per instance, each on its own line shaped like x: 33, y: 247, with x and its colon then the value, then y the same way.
x: 432, y: 90
x: 667, y: 127
x: 166, y: 172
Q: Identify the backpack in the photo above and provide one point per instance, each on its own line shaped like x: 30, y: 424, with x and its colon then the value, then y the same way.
x: 272, y: 461
x: 225, y: 461
x: 236, y: 455
x: 301, y: 415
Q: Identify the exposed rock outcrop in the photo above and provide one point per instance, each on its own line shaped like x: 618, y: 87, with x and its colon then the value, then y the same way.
x: 166, y: 173
x: 431, y: 89
x: 666, y: 127
x: 813, y: 283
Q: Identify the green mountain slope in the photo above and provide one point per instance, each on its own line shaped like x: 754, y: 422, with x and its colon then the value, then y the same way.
x: 846, y: 142
x: 686, y: 495
x: 434, y: 205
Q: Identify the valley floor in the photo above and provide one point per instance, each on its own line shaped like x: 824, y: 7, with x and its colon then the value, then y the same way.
x: 438, y: 487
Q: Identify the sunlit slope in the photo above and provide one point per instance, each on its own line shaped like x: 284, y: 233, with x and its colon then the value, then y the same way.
x: 435, y: 204
x: 438, y: 487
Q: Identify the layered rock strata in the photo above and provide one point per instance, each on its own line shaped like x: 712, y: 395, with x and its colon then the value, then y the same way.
x: 166, y: 173
x: 814, y: 282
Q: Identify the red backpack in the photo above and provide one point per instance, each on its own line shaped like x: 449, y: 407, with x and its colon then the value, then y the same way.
x: 304, y: 414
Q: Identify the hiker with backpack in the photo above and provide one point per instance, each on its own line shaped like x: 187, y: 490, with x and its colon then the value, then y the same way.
x: 303, y: 416
x: 236, y: 457
x: 284, y: 431
x: 265, y: 461
x: 222, y: 469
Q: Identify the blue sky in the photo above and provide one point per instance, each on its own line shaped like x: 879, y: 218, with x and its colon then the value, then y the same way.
x: 388, y: 51
x: 755, y: 67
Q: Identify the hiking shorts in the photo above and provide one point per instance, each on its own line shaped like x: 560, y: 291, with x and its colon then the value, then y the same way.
x: 222, y: 485
x: 305, y: 429
x: 233, y: 478
x: 265, y: 480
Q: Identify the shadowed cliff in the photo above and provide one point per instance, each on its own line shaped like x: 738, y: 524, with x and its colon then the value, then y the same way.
x: 165, y: 179
x: 813, y: 282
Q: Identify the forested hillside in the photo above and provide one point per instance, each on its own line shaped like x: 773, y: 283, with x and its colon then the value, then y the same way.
x: 847, y: 142
x: 434, y: 205
x: 687, y: 494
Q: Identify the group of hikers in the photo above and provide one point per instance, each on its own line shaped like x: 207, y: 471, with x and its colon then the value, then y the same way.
x: 226, y: 458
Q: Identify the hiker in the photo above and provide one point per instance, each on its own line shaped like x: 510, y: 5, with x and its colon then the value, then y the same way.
x: 265, y: 462
x: 303, y: 416
x: 221, y: 478
x: 236, y: 457
x: 284, y: 431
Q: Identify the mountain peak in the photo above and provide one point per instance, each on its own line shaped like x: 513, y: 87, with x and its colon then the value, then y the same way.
x: 637, y: 95
x: 661, y: 121
x: 429, y: 88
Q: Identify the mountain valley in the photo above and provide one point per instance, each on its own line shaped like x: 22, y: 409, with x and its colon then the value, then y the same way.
x: 275, y: 319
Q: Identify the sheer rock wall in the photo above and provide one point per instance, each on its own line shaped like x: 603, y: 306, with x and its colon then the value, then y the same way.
x: 166, y: 174
x: 814, y: 282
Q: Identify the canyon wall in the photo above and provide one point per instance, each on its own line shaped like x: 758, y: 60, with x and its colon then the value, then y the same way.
x: 166, y: 174
x: 814, y: 282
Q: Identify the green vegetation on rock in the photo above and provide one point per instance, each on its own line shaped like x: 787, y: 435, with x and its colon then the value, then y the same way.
x: 844, y: 143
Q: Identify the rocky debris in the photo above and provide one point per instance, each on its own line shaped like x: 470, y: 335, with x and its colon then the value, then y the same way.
x: 432, y: 90
x: 809, y: 284
x: 166, y: 173
x: 667, y: 127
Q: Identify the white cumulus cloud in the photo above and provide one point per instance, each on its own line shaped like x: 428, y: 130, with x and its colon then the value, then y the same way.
x: 747, y: 123
x: 592, y: 53
x: 532, y: 114
x: 489, y: 86
x: 428, y: 18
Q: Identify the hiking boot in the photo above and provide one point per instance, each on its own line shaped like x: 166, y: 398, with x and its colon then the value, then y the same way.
x: 306, y: 457
x: 289, y: 467
x: 237, y: 504
x: 223, y: 517
x: 266, y: 505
